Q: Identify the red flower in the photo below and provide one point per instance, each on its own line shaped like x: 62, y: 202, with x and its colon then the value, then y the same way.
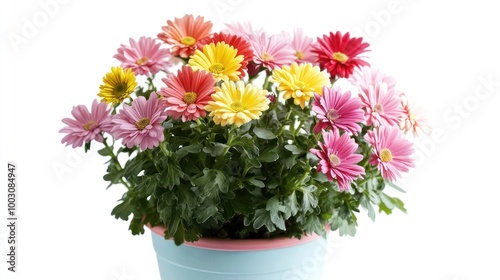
x: 339, y: 54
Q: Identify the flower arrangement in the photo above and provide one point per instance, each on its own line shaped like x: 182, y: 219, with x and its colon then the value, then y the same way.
x: 243, y: 134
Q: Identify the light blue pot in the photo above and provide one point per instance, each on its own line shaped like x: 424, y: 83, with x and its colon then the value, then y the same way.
x: 215, y: 259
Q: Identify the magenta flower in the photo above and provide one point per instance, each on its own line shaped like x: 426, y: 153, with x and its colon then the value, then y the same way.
x: 337, y: 110
x: 381, y: 106
x: 338, y: 159
x: 391, y: 151
x: 145, y: 56
x: 87, y: 125
x: 187, y: 93
x: 366, y: 77
x: 140, y: 124
x: 271, y: 52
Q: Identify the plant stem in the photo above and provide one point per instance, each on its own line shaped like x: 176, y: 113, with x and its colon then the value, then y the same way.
x: 114, y: 159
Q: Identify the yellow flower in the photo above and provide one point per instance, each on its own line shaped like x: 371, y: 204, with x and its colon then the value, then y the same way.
x: 300, y: 82
x: 118, y: 85
x: 236, y: 103
x: 220, y: 59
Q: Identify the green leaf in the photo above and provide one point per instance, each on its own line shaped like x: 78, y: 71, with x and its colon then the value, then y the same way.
x: 275, y: 209
x: 263, y: 218
x: 216, y: 150
x: 383, y: 207
x: 205, y: 212
x: 294, y: 149
x: 122, y: 210
x: 264, y: 133
x: 292, y: 203
x: 255, y: 182
x: 190, y: 149
x: 395, y: 187
x: 309, y: 199
x: 365, y: 202
x: 268, y: 156
x: 211, y: 179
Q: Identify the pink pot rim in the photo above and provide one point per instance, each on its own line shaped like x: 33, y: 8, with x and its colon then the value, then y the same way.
x: 242, y: 244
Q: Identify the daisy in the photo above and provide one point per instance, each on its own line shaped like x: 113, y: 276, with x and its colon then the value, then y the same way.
x: 413, y: 119
x: 118, y: 85
x: 183, y: 33
x: 302, y: 45
x: 140, y: 124
x: 271, y: 52
x: 239, y: 43
x: 391, y: 151
x: 144, y: 56
x: 235, y: 102
x: 243, y: 29
x: 381, y: 106
x: 300, y: 82
x: 86, y: 126
x: 337, y: 158
x: 187, y: 93
x: 219, y: 59
x: 339, y: 54
x: 337, y: 110
x: 366, y: 77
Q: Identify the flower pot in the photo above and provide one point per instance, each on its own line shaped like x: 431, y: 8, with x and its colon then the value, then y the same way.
x: 226, y: 259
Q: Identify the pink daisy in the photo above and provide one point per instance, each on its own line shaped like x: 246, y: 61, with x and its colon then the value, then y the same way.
x: 391, y: 151
x: 366, y: 77
x: 87, y: 126
x: 144, y: 56
x: 302, y: 45
x: 337, y: 110
x: 183, y: 33
x: 271, y: 52
x: 338, y: 159
x: 381, y: 106
x: 187, y: 93
x: 140, y: 124
x: 339, y: 54
x: 243, y: 29
x: 413, y: 118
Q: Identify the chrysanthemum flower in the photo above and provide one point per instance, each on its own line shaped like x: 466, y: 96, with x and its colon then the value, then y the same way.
x: 183, y: 33
x: 144, y: 56
x: 391, y: 151
x: 381, y: 106
x: 86, y: 126
x: 339, y: 54
x: 300, y: 82
x: 239, y: 43
x: 219, y: 59
x: 337, y: 110
x: 302, y: 45
x: 366, y: 77
x: 338, y: 159
x: 413, y: 118
x: 118, y: 85
x: 271, y: 51
x: 235, y: 102
x: 243, y: 29
x: 187, y: 93
x: 140, y: 124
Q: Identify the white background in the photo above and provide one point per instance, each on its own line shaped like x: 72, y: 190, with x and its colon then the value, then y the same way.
x: 440, y: 54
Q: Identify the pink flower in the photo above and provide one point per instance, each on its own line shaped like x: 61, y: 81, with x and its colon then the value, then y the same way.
x: 144, y: 56
x: 338, y: 159
x: 187, y: 93
x: 413, y: 118
x: 302, y: 45
x: 87, y: 125
x: 140, y: 124
x: 271, y: 52
x: 337, y: 110
x: 243, y: 29
x: 391, y: 151
x: 381, y: 106
x: 339, y: 54
x: 366, y: 77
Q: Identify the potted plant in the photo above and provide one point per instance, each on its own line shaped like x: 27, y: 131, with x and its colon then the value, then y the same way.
x: 245, y: 136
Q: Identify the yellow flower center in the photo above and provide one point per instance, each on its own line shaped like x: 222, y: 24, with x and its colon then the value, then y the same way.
x: 334, y: 160
x: 120, y: 90
x: 216, y: 68
x: 142, y: 60
x: 142, y: 123
x: 238, y: 106
x: 189, y: 97
x: 90, y: 125
x: 299, y: 54
x: 378, y: 108
x: 332, y: 115
x: 266, y: 57
x: 385, y: 155
x: 188, y: 40
x: 340, y: 57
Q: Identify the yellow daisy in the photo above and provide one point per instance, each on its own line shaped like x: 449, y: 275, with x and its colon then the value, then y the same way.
x: 235, y: 102
x: 300, y: 82
x: 118, y: 85
x: 220, y: 59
